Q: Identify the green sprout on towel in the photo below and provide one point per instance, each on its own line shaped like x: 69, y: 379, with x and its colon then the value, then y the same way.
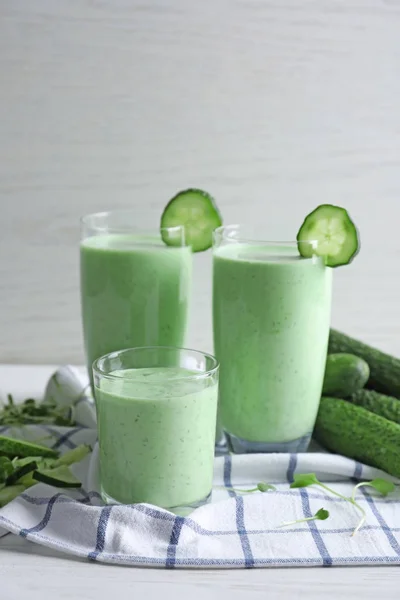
x: 261, y: 487
x: 320, y: 515
x: 383, y: 486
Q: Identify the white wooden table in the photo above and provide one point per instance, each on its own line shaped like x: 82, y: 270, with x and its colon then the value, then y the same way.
x: 47, y: 574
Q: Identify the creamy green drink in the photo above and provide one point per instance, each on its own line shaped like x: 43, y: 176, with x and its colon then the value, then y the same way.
x: 156, y: 427
x: 271, y: 314
x: 135, y: 291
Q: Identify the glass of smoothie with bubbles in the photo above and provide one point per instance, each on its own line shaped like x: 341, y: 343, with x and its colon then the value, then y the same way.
x: 271, y: 321
x: 135, y: 289
x: 156, y: 418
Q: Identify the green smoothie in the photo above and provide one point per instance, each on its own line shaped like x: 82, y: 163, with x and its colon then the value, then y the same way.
x: 134, y: 291
x: 271, y: 313
x: 156, y: 435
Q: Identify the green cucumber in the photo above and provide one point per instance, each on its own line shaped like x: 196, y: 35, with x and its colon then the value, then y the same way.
x: 20, y: 472
x: 73, y: 456
x: 10, y: 493
x: 60, y: 477
x: 384, y: 369
x: 6, y: 468
x: 344, y: 375
x: 357, y: 433
x: 196, y: 211
x: 384, y: 406
x: 328, y: 231
x: 11, y: 448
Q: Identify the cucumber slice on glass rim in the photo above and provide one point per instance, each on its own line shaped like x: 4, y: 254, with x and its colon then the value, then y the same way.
x: 196, y: 211
x: 331, y: 234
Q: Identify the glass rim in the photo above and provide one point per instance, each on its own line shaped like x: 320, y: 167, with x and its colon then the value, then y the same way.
x: 101, y: 223
x: 219, y: 231
x: 88, y: 220
x: 201, y: 375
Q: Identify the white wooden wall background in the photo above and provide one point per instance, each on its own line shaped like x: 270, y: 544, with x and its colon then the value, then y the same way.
x: 274, y: 106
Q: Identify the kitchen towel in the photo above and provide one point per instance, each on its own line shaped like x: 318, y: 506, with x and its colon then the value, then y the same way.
x: 236, y: 530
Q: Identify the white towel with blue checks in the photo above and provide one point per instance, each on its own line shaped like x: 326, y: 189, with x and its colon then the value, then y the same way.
x: 237, y: 530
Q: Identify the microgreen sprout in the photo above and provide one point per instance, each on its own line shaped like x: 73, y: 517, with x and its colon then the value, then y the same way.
x: 261, y: 487
x: 383, y: 486
x: 320, y: 515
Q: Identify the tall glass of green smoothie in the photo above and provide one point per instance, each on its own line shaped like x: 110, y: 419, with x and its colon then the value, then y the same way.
x: 135, y: 289
x: 271, y: 318
x: 156, y: 417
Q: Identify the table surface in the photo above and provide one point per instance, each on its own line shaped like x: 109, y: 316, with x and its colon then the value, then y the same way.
x: 50, y: 573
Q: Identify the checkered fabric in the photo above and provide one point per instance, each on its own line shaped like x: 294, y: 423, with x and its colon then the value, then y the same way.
x: 236, y: 530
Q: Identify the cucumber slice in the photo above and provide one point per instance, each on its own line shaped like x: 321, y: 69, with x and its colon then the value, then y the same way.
x: 11, y: 448
x: 21, y: 472
x: 60, y: 477
x: 8, y: 494
x: 196, y: 211
x: 6, y: 468
x: 335, y: 233
x: 73, y: 456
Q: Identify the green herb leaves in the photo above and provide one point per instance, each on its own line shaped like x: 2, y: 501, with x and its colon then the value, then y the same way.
x: 383, y: 486
x: 303, y: 480
x: 32, y: 412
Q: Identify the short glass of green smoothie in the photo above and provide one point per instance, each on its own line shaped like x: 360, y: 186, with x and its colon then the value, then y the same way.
x: 156, y: 416
x: 135, y: 289
x: 271, y: 319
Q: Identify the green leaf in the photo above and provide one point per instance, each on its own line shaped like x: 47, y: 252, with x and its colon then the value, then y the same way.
x: 304, y: 480
x: 265, y: 487
x: 322, y: 514
x: 383, y: 486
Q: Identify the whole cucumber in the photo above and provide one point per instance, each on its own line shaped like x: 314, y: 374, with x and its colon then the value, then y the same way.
x: 344, y: 375
x: 357, y: 433
x: 384, y: 369
x: 384, y: 406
